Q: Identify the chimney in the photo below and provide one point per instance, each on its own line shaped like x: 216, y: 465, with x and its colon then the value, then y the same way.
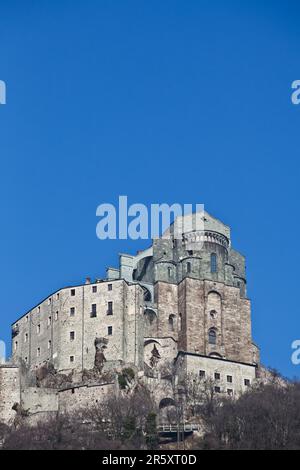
x: 87, y: 280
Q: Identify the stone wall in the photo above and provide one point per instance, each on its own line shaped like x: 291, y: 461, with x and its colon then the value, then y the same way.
x: 39, y: 400
x: 76, y: 398
x: 9, y: 392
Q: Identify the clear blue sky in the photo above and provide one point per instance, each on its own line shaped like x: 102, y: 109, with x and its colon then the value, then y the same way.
x: 163, y: 101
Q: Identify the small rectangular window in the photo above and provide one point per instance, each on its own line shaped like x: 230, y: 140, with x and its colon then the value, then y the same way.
x: 217, y: 376
x: 56, y: 315
x: 49, y: 321
x: 26, y: 359
x: 94, y: 311
x: 109, y: 308
x: 38, y: 329
x: 247, y: 382
x: 49, y: 301
x: 217, y: 389
x: 26, y: 337
x: 73, y: 292
x: 72, y: 335
x: 229, y: 379
x: 49, y: 344
x: 38, y: 352
x: 202, y: 373
x: 16, y: 345
x: 109, y: 286
x: 72, y: 359
x: 230, y: 392
x: 109, y: 330
x: 57, y: 296
x: 27, y: 319
x: 72, y: 311
x: 94, y: 289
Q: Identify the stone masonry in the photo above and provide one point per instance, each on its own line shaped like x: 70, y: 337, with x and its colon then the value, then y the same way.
x: 181, y: 304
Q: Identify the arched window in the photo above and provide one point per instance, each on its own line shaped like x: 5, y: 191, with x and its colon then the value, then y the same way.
x: 150, y: 316
x: 213, y: 263
x: 171, y: 322
x: 212, y: 336
x: 188, y: 267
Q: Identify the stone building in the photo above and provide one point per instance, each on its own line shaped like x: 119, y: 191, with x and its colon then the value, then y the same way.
x: 68, y: 326
x: 179, y: 305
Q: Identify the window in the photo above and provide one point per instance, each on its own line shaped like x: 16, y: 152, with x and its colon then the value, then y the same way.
x: 190, y: 252
x: 56, y: 315
x: 72, y: 359
x: 49, y: 301
x: 109, y: 330
x: 26, y: 337
x: 188, y: 267
x: 230, y: 392
x: 73, y: 292
x: 27, y: 319
x: 247, y: 382
x: 39, y: 309
x: 16, y: 345
x: 94, y: 289
x: 26, y: 359
x: 229, y: 379
x: 49, y: 344
x: 217, y: 389
x: 212, y: 336
x: 38, y: 352
x: 57, y: 296
x: 109, y: 308
x: 72, y: 335
x: 169, y: 272
x: 109, y: 286
x: 171, y: 322
x: 213, y: 314
x: 49, y: 321
x: 217, y: 376
x: 94, y: 311
x: 213, y: 263
x: 202, y: 374
x: 38, y: 329
x: 147, y: 295
x: 72, y: 311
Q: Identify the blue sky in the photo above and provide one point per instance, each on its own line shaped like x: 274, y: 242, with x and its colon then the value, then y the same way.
x: 163, y: 101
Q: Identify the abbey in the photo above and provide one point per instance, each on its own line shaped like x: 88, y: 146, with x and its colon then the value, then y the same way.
x: 179, y: 305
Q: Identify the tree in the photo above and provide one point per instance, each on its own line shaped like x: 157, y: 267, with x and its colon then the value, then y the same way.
x: 151, y: 434
x: 266, y: 417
